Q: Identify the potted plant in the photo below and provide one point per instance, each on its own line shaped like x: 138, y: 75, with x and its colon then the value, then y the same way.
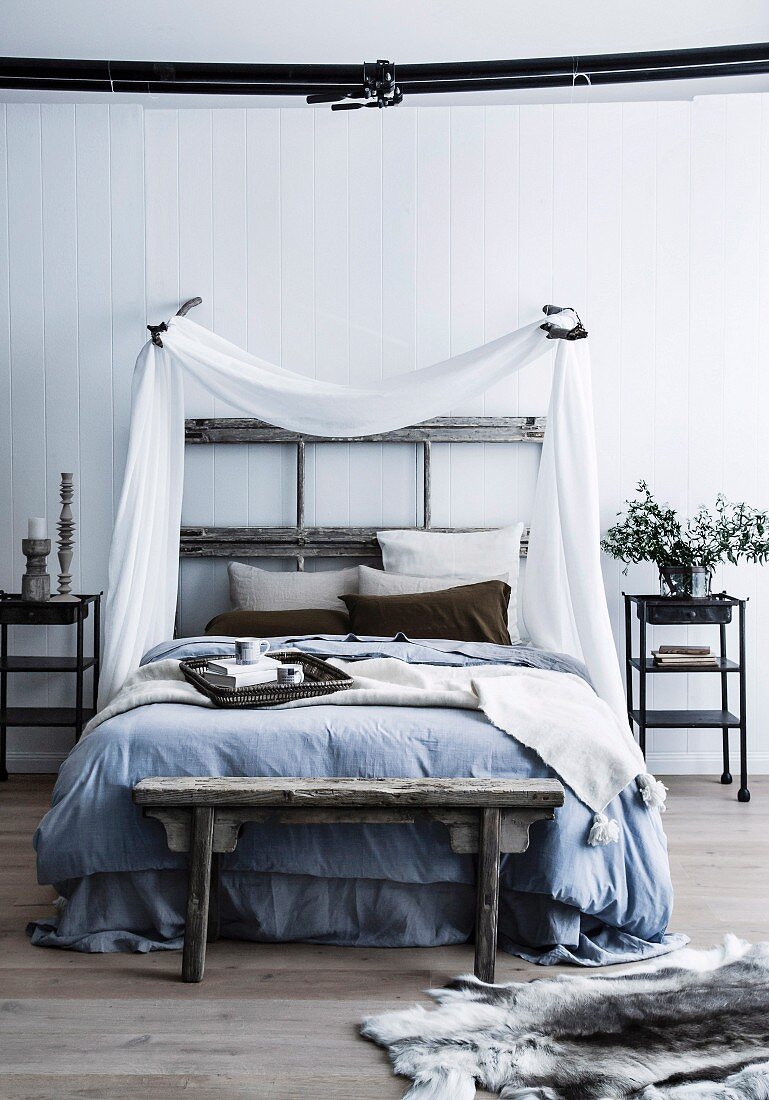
x: 686, y: 551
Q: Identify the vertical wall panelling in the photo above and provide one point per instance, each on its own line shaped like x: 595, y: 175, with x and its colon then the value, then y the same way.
x: 27, y: 362
x: 365, y: 206
x: 638, y: 331
x: 707, y: 336
x: 297, y: 186
x: 570, y: 204
x: 230, y: 275
x: 330, y: 257
x: 352, y: 246
x: 433, y: 271
x: 161, y: 190
x: 399, y: 299
x: 61, y: 350
x: 267, y: 501
x: 741, y: 413
x: 535, y: 269
x: 161, y: 194
x: 126, y: 149
x: 671, y: 366
x: 196, y: 278
x: 94, y: 277
x: 467, y: 284
x: 230, y: 308
x: 604, y: 317
x: 500, y: 297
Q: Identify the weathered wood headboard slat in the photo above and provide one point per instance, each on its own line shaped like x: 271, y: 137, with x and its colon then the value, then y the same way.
x: 444, y: 429
x: 288, y: 542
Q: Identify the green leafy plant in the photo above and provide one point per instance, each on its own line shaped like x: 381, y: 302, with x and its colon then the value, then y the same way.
x: 651, y: 531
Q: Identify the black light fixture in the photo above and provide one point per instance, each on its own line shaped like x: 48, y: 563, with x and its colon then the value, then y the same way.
x: 379, y: 90
x: 373, y: 84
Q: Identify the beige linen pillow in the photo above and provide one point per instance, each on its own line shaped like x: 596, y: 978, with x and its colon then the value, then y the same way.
x: 254, y: 589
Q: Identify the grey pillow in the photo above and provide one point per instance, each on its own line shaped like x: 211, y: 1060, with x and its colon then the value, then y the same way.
x: 254, y: 589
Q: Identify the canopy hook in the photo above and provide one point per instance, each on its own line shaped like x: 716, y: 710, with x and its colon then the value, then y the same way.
x: 182, y: 311
x: 557, y: 332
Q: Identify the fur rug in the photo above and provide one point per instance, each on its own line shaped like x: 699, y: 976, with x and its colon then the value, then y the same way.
x: 693, y: 1026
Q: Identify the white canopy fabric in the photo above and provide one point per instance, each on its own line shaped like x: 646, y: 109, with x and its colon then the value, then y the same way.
x: 564, y: 600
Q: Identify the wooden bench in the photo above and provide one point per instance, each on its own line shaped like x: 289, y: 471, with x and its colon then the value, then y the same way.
x: 205, y: 816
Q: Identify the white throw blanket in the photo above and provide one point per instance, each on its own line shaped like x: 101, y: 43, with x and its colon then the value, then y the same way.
x: 554, y: 713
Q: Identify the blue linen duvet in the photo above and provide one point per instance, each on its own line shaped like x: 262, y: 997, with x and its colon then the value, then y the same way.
x: 368, y: 885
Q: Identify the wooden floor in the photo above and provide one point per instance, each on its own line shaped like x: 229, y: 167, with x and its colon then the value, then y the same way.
x: 281, y: 1021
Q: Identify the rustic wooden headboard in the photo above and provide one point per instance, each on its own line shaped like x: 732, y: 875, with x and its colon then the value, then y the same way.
x: 300, y: 542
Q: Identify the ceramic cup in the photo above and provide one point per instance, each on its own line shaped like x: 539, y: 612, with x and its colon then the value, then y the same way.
x: 249, y: 650
x: 290, y: 674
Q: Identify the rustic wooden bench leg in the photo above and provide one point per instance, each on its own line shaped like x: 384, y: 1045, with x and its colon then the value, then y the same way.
x: 487, y: 905
x: 213, y: 900
x: 198, y: 892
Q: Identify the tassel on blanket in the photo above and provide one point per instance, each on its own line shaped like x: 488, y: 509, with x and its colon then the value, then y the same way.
x: 653, y: 792
x: 604, y: 831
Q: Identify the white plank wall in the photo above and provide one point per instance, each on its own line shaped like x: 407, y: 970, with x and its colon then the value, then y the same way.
x: 353, y: 247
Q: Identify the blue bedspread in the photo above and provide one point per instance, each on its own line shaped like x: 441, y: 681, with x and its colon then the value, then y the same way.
x: 378, y: 885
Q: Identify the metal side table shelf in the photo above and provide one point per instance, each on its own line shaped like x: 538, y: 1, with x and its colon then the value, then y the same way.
x: 667, y: 611
x: 17, y: 612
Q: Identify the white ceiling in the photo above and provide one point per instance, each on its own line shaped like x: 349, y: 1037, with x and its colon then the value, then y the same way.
x: 354, y: 31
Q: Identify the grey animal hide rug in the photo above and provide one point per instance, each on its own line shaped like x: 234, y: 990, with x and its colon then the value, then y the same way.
x: 693, y: 1026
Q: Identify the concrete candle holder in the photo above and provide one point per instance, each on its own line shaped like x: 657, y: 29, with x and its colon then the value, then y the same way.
x: 36, y: 584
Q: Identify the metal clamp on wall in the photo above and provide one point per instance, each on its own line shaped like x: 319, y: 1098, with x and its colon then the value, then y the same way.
x: 557, y: 332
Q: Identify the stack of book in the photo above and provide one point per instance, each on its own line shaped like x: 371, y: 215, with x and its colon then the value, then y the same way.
x: 672, y: 655
x: 226, y: 672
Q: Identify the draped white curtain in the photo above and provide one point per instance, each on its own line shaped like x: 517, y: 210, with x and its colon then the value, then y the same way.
x: 564, y: 601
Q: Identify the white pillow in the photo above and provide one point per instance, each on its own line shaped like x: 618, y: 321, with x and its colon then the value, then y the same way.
x: 458, y: 554
x: 253, y: 589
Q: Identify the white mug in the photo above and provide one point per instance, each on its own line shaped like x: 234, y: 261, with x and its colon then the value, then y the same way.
x: 249, y: 650
x: 290, y: 674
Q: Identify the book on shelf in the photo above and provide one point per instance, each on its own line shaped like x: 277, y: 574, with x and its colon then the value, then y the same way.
x: 673, y: 660
x: 228, y: 666
x: 242, y: 679
x: 681, y: 650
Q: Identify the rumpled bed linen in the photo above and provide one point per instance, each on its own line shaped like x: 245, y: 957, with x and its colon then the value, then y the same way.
x: 385, y: 885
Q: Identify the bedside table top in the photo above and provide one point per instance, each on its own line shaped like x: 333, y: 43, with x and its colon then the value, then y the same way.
x: 719, y: 599
x: 14, y: 611
x: 13, y: 599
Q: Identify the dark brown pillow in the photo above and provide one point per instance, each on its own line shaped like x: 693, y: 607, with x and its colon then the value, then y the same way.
x: 279, y: 624
x: 468, y: 613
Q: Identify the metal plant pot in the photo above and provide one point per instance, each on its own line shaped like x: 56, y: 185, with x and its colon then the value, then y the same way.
x: 685, y: 581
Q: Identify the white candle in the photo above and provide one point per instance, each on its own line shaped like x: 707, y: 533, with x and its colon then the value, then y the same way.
x: 37, y: 528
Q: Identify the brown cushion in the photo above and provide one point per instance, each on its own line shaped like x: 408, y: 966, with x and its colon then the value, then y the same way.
x: 279, y: 624
x: 468, y: 613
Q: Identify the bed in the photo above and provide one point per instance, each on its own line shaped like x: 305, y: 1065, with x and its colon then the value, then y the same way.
x: 375, y: 886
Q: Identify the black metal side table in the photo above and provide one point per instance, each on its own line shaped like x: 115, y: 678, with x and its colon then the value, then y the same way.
x: 17, y: 612
x: 667, y: 611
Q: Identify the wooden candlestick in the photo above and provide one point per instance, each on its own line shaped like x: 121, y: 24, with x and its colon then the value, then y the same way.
x: 36, y: 584
x: 66, y: 528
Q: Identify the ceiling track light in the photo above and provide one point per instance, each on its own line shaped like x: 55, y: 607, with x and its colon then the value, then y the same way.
x: 374, y: 84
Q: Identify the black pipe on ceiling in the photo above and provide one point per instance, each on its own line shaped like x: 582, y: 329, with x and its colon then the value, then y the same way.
x: 192, y: 78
